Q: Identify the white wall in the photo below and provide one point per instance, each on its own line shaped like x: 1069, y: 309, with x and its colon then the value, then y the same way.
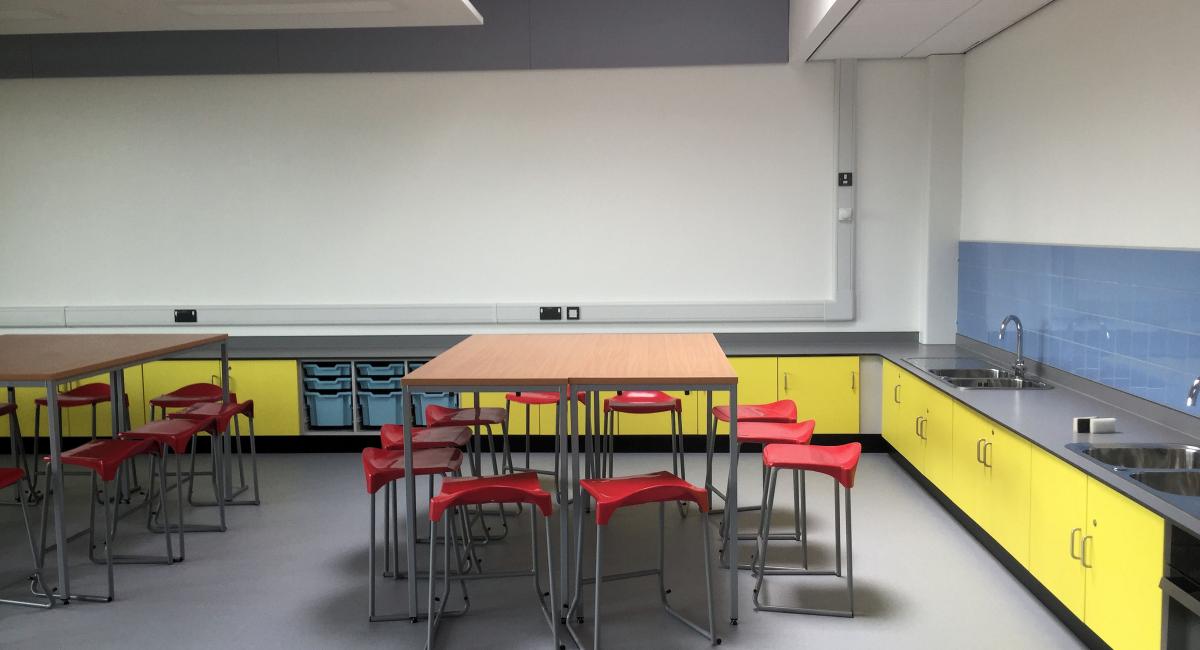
x: 1082, y: 126
x: 455, y: 187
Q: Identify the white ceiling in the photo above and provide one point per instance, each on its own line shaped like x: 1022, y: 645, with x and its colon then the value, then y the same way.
x: 891, y: 29
x: 61, y: 16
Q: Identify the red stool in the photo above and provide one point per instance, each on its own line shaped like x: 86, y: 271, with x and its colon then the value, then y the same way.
x: 189, y: 395
x: 531, y: 399
x: 221, y: 415
x: 642, y: 402
x: 13, y: 477
x: 173, y: 436
x: 611, y: 494
x: 382, y: 468
x: 840, y: 463
x: 457, y: 494
x: 105, y: 459
x: 477, y: 417
x: 86, y: 395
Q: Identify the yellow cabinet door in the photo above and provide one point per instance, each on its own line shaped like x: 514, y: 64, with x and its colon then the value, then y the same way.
x: 1057, y: 513
x: 1123, y: 554
x: 541, y: 417
x: 659, y: 423
x: 937, y: 434
x: 892, y: 407
x: 1006, y: 495
x: 272, y: 384
x: 825, y: 389
x: 966, y: 489
x: 758, y: 379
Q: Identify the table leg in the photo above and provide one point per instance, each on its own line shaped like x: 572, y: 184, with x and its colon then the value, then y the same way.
x: 226, y: 485
x: 410, y: 505
x: 731, y: 508
x: 60, y: 531
x: 565, y: 404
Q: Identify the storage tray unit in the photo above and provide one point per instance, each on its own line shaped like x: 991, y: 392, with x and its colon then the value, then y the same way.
x: 352, y: 395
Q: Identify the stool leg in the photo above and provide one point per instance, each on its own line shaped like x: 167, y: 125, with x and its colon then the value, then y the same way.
x: 387, y: 530
x: 677, y: 420
x: 802, y: 508
x: 93, y: 421
x: 371, y: 565
x: 253, y: 461
x: 849, y: 553
x: 37, y: 428
x: 108, y: 551
x: 837, y: 528
x: 178, y: 498
x: 764, y: 526
x: 432, y: 618
x: 705, y: 539
x: 599, y: 580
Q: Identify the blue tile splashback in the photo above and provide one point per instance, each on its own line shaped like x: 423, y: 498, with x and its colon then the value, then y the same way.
x: 1125, y: 317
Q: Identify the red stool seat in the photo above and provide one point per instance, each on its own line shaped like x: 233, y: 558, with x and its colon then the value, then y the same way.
x: 523, y: 487
x: 613, y: 493
x: 218, y: 412
x: 10, y: 476
x: 189, y: 395
x: 767, y: 433
x: 839, y: 461
x: 782, y: 411
x: 174, y: 433
x: 436, y: 415
x: 392, y: 437
x: 382, y: 466
x: 535, y: 398
x: 104, y: 456
x: 643, y: 401
x: 6, y: 408
x: 85, y: 395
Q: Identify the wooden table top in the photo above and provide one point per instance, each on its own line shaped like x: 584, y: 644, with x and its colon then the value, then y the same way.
x: 46, y: 357
x: 557, y: 359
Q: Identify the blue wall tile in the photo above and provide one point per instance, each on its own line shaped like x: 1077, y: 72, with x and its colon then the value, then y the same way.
x: 1125, y: 317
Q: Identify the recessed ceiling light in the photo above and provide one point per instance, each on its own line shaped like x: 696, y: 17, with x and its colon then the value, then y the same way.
x: 287, y: 8
x: 27, y: 14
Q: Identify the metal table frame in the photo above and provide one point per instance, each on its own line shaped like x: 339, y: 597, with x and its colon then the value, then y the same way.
x: 116, y: 387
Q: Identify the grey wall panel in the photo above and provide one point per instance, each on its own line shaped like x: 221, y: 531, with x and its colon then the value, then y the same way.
x: 501, y: 43
x: 154, y: 53
x: 16, y: 60
x: 636, y: 33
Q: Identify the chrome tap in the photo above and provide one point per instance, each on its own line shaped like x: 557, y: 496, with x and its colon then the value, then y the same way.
x: 1019, y: 364
x: 1193, y: 392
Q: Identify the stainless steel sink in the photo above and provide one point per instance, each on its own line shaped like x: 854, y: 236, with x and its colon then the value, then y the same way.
x: 972, y: 373
x: 1010, y: 382
x: 1183, y: 483
x: 1141, y: 456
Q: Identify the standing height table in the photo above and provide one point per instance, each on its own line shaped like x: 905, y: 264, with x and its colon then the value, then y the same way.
x: 51, y: 360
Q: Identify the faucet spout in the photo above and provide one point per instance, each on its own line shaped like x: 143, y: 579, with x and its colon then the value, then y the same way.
x: 1193, y: 392
x: 1019, y: 364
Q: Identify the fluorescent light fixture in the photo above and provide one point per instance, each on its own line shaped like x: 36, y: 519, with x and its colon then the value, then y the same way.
x: 27, y: 14
x: 288, y: 8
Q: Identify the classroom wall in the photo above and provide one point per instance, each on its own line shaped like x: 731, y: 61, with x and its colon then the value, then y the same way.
x: 716, y: 182
x: 1081, y: 127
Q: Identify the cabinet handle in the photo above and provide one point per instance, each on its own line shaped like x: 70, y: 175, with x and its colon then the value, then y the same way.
x: 896, y: 393
x: 986, y: 447
x: 917, y: 426
x: 785, y: 382
x: 921, y: 422
x: 1083, y: 555
x: 979, y: 450
x: 1074, y: 532
x: 853, y: 381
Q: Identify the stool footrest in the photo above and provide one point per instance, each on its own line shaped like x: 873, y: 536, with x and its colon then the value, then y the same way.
x: 620, y: 576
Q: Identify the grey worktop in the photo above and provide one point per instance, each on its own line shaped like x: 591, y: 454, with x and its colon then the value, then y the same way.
x: 1042, y: 416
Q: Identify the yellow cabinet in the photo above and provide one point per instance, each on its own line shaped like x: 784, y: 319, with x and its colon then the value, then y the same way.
x: 825, y: 389
x: 757, y: 384
x: 1122, y: 553
x: 1058, y: 509
x: 900, y: 414
x: 934, y: 424
x: 272, y: 384
x: 991, y: 479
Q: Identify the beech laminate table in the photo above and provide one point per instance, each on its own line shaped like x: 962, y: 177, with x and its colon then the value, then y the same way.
x: 50, y: 360
x: 565, y: 364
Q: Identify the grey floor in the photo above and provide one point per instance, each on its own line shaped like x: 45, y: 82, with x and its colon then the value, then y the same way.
x: 292, y: 574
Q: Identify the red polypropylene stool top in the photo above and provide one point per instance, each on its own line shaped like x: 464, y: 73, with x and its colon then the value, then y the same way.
x: 436, y: 415
x: 522, y: 487
x: 643, y: 401
x: 104, y: 456
x: 84, y: 395
x: 219, y: 413
x: 532, y: 397
x: 10, y: 476
x: 174, y: 433
x: 658, y: 487
x: 6, y: 408
x: 840, y: 461
x: 782, y: 411
x: 189, y: 395
x: 767, y: 433
x: 392, y: 437
x: 382, y: 466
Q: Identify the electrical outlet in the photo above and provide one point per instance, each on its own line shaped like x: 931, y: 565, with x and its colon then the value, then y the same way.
x: 845, y: 179
x: 185, y: 315
x: 572, y: 313
x: 550, y: 313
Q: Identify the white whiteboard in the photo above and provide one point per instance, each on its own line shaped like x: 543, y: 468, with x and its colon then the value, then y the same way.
x: 657, y: 185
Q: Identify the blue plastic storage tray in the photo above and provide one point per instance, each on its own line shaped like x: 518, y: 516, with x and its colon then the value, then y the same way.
x: 379, y: 384
x: 327, y: 384
x: 326, y: 369
x: 379, y: 369
x: 379, y: 409
x: 329, y: 410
